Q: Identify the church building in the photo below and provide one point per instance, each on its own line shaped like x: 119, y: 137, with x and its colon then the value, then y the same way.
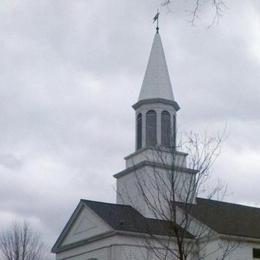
x: 157, y: 214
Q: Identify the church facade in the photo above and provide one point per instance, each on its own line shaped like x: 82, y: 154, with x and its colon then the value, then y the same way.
x: 157, y: 214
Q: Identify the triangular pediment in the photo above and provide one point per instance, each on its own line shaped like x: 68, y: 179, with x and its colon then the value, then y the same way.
x: 84, y: 224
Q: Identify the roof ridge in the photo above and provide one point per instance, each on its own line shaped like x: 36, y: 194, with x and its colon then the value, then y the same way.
x: 108, y: 203
x: 230, y: 203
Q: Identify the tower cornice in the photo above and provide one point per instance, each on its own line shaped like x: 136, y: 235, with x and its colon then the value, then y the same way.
x: 172, y: 103
x: 154, y: 164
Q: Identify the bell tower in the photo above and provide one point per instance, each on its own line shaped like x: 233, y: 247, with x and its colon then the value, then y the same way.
x: 149, y: 170
x: 156, y: 108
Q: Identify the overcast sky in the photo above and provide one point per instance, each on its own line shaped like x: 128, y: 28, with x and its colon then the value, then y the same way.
x: 70, y: 71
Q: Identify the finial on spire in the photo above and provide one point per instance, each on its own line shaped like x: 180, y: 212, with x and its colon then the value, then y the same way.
x: 156, y: 18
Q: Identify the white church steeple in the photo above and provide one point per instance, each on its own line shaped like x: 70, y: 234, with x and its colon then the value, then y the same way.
x: 156, y: 152
x: 156, y: 83
x: 156, y: 108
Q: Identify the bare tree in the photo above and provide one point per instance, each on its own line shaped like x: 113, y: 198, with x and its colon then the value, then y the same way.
x: 217, y: 7
x: 169, y: 189
x: 20, y: 242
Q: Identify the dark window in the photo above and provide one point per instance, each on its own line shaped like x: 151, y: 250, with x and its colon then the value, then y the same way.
x: 151, y: 128
x: 166, y: 128
x: 174, y: 131
x: 256, y: 253
x: 139, y: 131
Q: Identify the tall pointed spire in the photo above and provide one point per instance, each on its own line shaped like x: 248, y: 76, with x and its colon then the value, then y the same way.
x: 156, y: 83
x: 156, y: 108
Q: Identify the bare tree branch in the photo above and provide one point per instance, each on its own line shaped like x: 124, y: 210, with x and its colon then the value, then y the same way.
x: 20, y: 242
x: 217, y: 7
x: 169, y: 189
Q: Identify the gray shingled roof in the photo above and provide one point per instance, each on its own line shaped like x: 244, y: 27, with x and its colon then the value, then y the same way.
x: 228, y: 218
x: 126, y: 218
x: 225, y: 218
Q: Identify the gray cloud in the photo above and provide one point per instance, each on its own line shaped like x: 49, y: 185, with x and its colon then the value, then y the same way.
x: 9, y: 161
x: 69, y: 73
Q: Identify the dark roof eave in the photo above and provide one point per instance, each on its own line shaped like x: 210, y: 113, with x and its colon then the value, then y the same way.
x: 109, y: 234
x: 56, y: 250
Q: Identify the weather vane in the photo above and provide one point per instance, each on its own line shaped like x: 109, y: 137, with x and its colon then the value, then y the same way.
x: 156, y: 19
